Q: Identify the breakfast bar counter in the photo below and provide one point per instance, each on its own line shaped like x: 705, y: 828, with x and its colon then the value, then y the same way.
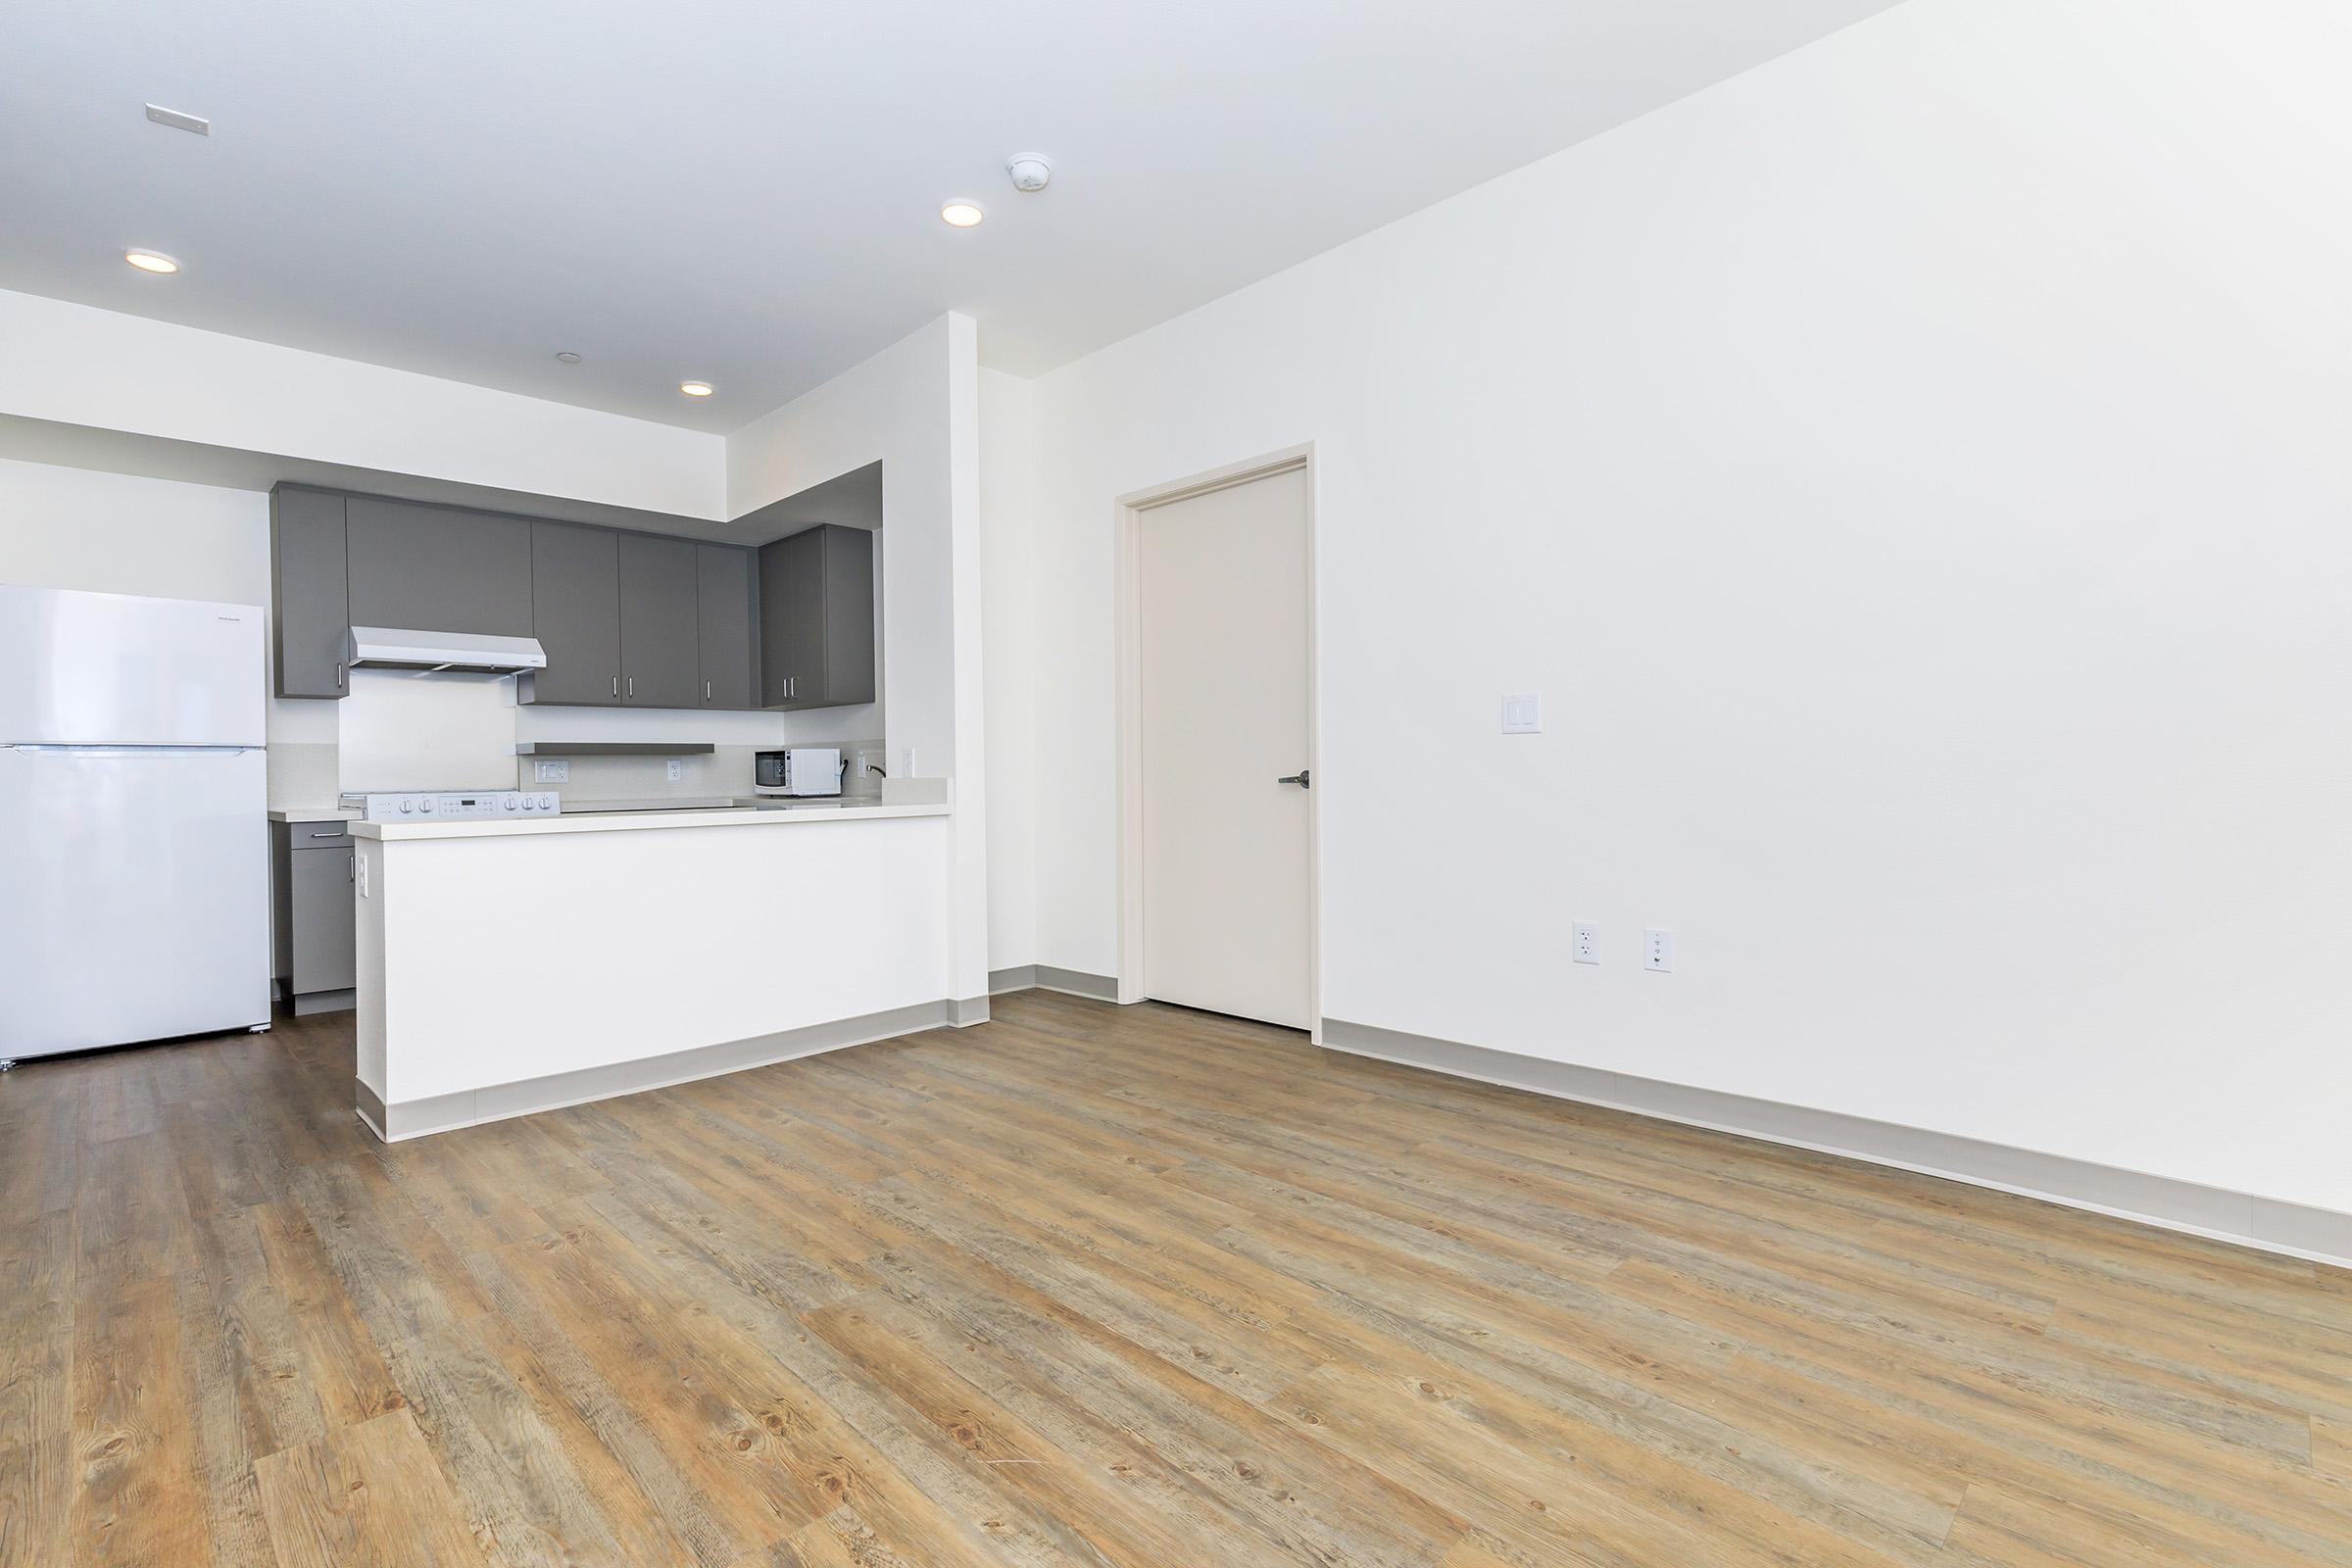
x: 511, y: 965
x: 588, y: 818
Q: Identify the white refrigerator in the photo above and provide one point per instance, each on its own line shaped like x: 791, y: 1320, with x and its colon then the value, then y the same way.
x: 134, y: 828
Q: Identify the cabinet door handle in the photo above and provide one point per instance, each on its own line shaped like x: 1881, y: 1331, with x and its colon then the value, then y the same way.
x: 617, y: 685
x: 706, y: 691
x: 331, y: 833
x: 338, y: 677
x: 632, y: 686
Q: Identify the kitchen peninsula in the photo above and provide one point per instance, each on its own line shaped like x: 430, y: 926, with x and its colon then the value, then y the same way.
x: 508, y: 966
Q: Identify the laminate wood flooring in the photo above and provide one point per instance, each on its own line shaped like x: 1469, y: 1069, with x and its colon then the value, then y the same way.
x: 1091, y: 1285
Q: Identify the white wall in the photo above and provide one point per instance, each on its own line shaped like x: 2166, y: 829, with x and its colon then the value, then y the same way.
x: 75, y: 364
x: 1008, y: 565
x: 915, y: 408
x: 113, y: 533
x: 1915, y: 474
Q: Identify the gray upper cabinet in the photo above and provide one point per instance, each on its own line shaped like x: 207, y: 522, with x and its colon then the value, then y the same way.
x: 309, y: 598
x: 660, y: 651
x: 575, y: 614
x: 816, y: 618
x: 438, y: 568
x: 724, y: 611
x: 628, y: 620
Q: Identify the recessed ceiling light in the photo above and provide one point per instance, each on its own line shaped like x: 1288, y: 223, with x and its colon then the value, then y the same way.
x: 962, y: 215
x: 567, y: 357
x: 696, y: 390
x: 150, y: 260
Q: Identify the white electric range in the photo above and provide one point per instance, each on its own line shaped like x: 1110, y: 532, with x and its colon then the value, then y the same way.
x: 440, y: 804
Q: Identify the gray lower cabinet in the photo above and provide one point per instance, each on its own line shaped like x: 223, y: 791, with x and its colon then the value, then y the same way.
x: 816, y: 618
x: 438, y: 568
x: 575, y: 614
x: 310, y: 601
x: 725, y: 613
x: 311, y: 883
x: 660, y: 651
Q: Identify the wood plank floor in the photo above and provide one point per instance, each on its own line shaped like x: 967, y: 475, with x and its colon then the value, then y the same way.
x: 1089, y: 1285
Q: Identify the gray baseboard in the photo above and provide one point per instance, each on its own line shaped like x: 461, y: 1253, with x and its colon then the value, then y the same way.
x: 1046, y: 977
x: 2270, y: 1224
x: 967, y: 1012
x: 314, y: 1002
x: 439, y: 1113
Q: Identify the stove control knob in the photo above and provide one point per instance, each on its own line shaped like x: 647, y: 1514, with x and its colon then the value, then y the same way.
x: 407, y: 806
x: 425, y: 807
x: 509, y: 802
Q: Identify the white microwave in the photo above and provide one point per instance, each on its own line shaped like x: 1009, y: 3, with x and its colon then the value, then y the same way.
x: 798, y: 770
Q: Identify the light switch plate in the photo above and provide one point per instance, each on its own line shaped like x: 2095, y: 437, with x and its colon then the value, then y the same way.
x: 1522, y: 714
x: 547, y: 772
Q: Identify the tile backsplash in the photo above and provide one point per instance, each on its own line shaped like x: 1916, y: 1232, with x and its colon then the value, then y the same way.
x: 403, y: 731
x: 399, y: 730
x: 724, y: 772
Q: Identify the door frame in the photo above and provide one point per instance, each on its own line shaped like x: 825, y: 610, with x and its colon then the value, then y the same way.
x: 1127, y: 522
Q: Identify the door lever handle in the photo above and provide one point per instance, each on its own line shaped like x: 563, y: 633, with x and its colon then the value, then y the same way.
x: 1298, y: 778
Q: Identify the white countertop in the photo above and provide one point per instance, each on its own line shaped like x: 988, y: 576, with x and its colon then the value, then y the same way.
x: 323, y: 813
x: 586, y: 818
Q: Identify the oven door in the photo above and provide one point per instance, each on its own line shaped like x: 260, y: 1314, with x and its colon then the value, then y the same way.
x: 767, y: 770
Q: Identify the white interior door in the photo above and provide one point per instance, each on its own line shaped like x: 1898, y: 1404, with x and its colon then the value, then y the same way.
x: 1227, y: 895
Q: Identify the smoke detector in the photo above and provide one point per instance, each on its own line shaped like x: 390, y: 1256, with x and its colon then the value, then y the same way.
x: 1029, y: 172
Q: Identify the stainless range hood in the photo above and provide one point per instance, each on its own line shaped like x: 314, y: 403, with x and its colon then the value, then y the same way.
x: 461, y: 652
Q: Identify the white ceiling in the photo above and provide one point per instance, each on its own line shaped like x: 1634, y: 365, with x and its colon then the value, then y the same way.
x: 748, y: 192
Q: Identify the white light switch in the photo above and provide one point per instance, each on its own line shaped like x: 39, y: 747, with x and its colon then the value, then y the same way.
x: 547, y: 772
x: 1522, y: 714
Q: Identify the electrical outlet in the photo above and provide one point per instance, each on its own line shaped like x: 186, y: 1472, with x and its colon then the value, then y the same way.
x: 1657, y: 951
x: 1587, y: 943
x: 547, y: 772
x: 360, y: 865
x: 678, y: 770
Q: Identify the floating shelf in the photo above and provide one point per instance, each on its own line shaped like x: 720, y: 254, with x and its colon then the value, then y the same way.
x: 613, y: 748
